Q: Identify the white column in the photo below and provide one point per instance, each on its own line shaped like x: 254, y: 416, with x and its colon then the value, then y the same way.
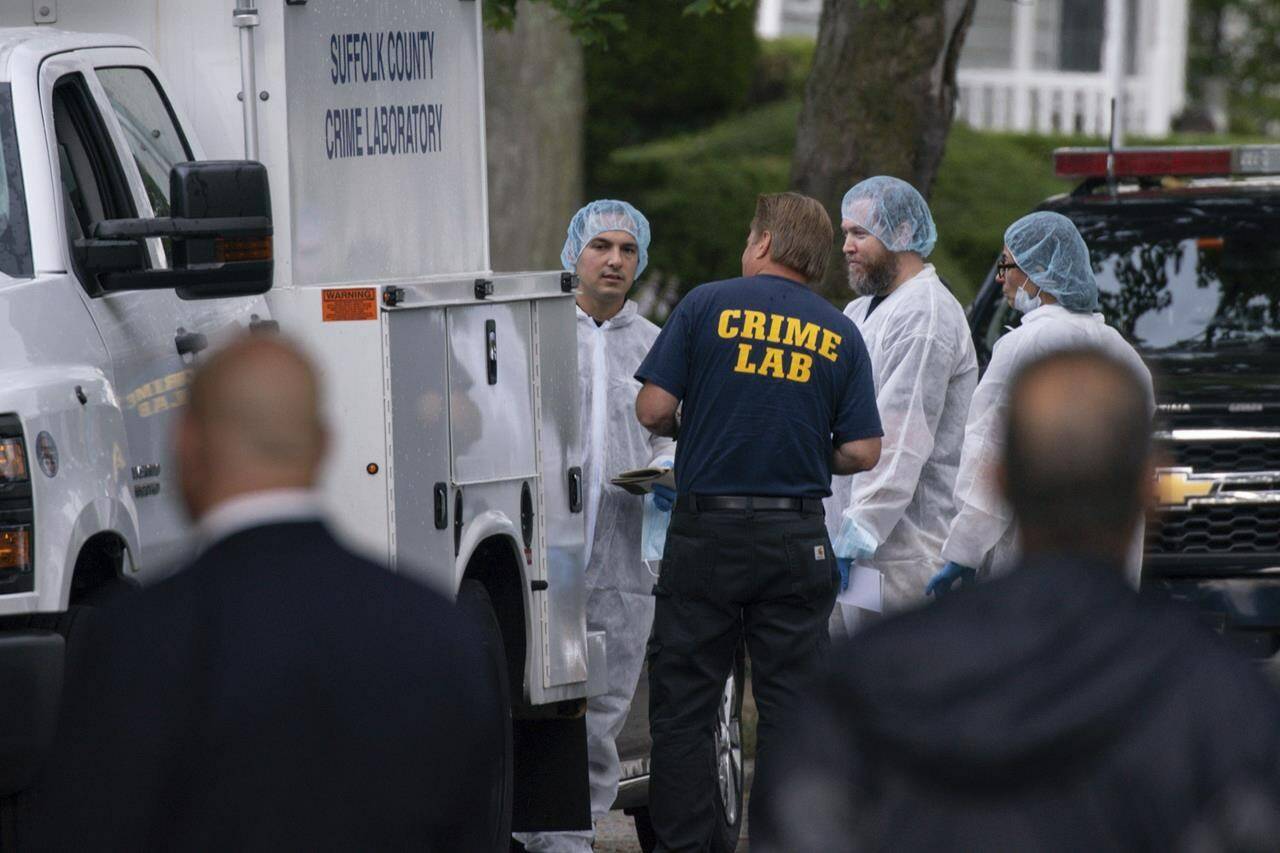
x: 1113, y: 57
x: 1024, y: 34
x: 769, y: 19
x: 1175, y: 31
x: 1153, y: 63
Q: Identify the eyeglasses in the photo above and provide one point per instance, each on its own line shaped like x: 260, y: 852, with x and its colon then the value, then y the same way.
x: 1003, y: 267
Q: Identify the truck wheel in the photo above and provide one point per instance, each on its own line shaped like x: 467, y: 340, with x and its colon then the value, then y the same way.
x: 730, y: 771
x: 473, y: 600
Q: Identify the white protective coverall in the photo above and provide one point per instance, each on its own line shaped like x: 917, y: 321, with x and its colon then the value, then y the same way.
x: 925, y: 370
x: 983, y: 535
x: 619, y: 584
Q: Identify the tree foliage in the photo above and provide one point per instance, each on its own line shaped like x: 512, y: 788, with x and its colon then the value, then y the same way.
x: 592, y: 21
x: 1237, y: 42
x: 659, y: 78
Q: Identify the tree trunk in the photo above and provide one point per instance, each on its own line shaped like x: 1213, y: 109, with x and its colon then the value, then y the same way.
x: 534, y: 104
x: 879, y: 100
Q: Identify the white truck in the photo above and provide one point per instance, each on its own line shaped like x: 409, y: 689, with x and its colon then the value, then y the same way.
x: 137, y: 230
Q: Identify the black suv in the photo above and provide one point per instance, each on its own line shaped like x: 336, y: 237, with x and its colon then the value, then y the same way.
x: 1186, y: 251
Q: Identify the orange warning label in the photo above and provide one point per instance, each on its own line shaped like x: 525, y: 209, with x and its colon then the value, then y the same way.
x: 349, y: 303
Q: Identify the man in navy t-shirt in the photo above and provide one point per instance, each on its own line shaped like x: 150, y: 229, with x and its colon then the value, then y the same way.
x: 769, y: 388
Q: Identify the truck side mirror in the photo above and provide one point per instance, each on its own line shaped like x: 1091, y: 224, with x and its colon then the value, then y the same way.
x: 220, y: 231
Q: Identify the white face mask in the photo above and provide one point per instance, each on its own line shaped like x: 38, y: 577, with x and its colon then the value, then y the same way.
x: 1025, y: 302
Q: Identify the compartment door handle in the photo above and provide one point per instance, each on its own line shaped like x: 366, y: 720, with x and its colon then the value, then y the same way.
x: 575, y: 489
x: 441, y: 505
x: 491, y: 350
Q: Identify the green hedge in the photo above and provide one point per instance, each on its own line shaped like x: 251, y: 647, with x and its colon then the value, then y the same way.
x: 666, y: 73
x: 782, y: 69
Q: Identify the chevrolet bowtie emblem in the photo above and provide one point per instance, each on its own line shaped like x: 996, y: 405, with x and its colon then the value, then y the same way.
x: 1179, y: 486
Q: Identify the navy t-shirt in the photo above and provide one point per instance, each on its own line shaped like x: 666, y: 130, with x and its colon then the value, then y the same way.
x: 772, y: 378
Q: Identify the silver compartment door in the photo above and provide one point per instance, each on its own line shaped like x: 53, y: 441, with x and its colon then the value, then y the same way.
x: 560, y: 446
x: 491, y: 392
x: 418, y: 351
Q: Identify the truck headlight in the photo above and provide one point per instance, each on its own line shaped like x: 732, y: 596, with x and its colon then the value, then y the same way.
x: 15, y: 552
x: 13, y: 460
x: 17, y: 511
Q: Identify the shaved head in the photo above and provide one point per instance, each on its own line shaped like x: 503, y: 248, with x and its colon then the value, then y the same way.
x: 1078, y: 460
x: 253, y: 423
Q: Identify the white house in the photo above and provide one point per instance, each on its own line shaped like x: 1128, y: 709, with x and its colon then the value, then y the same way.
x: 1054, y: 65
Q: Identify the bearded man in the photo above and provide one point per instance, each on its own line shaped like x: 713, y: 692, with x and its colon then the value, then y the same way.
x: 894, y: 517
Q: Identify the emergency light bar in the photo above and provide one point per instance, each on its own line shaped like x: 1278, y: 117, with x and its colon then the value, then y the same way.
x: 1186, y: 162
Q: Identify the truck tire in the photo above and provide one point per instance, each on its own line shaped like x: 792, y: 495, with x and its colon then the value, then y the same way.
x: 474, y: 601
x: 730, y: 771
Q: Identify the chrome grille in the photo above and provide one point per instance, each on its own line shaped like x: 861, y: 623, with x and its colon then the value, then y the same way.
x: 1239, y: 530
x: 1226, y: 457
x: 1240, y: 514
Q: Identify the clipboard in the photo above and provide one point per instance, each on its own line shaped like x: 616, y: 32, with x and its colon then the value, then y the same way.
x: 640, y: 481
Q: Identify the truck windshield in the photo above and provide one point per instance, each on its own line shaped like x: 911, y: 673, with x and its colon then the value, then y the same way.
x: 1194, y: 279
x: 15, y: 241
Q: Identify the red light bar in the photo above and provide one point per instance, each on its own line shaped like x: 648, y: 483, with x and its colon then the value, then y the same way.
x: 1186, y: 162
x: 1144, y: 162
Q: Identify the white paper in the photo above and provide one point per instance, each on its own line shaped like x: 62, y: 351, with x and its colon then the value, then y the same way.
x: 866, y: 589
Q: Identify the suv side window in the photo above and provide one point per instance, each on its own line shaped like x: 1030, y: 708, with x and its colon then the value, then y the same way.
x: 990, y: 318
x: 149, y: 125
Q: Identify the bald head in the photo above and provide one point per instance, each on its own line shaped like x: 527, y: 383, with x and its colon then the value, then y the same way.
x: 253, y: 423
x: 1077, y: 466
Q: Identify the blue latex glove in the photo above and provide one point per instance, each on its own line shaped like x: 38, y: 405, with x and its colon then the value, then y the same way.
x: 950, y: 573
x: 663, y: 498
x: 844, y: 565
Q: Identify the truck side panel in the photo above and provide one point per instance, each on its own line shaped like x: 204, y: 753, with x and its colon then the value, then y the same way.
x: 386, y: 122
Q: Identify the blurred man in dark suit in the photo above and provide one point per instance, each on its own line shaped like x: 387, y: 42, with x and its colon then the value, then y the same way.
x: 1052, y: 709
x: 280, y: 692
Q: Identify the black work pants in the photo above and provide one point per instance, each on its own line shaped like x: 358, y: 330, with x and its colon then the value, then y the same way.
x: 767, y: 576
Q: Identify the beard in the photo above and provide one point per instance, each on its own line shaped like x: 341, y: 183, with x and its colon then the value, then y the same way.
x: 874, y: 277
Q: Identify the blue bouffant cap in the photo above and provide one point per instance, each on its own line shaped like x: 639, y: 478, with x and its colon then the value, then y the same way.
x: 894, y: 212
x: 600, y: 216
x: 1049, y: 249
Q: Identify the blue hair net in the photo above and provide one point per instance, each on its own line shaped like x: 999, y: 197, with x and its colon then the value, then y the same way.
x: 894, y: 212
x: 598, y: 217
x: 1048, y: 248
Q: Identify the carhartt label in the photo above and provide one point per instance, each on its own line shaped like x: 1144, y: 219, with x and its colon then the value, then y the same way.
x: 819, y: 552
x: 349, y: 303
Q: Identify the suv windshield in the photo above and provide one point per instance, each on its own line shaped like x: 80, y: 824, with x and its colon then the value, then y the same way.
x: 1194, y: 279
x: 15, y: 242
x: 1183, y: 276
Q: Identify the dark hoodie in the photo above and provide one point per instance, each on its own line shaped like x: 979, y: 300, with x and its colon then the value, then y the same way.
x: 1049, y: 710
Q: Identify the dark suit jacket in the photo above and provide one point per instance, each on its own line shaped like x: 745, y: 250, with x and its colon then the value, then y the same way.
x: 280, y: 693
x: 1052, y: 709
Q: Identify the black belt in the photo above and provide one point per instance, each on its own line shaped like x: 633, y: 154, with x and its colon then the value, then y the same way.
x: 703, y: 503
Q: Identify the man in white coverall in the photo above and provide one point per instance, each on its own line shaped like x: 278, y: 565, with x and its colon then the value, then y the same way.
x: 1047, y: 276
x: 608, y: 246
x: 894, y: 517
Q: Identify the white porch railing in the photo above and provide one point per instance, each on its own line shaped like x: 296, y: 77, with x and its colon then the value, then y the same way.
x: 1053, y: 102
